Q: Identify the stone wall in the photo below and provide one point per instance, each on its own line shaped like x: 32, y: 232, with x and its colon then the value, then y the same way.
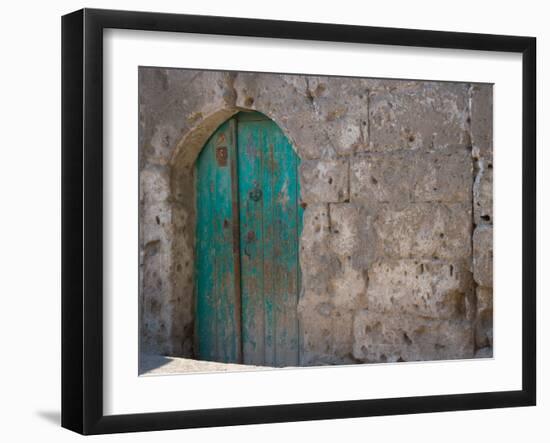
x: 396, y: 180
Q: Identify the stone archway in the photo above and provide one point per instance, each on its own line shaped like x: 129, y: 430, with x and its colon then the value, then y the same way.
x: 183, y: 183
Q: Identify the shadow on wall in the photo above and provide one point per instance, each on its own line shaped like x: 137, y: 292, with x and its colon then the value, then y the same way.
x: 148, y: 362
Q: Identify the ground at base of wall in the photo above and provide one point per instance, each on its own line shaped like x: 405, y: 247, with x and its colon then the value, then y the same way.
x: 162, y: 365
x: 150, y: 364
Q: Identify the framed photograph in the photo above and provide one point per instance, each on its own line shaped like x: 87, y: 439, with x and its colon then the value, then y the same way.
x: 269, y: 221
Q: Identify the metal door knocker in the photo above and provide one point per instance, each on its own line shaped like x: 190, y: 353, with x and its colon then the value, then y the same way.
x: 255, y: 194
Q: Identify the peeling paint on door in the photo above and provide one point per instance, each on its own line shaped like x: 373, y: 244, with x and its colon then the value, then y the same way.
x: 252, y: 217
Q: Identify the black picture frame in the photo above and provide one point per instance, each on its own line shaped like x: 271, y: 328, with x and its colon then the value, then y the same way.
x: 82, y: 218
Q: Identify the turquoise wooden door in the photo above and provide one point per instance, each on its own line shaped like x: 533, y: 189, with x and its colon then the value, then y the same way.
x: 248, y: 225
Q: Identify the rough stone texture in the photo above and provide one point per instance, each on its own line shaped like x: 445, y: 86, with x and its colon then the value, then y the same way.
x: 419, y: 115
x: 396, y: 182
x: 403, y: 177
x: 483, y: 256
x: 332, y: 287
x: 382, y: 337
x: 484, y: 318
x: 382, y: 178
x: 156, y: 230
x: 482, y: 261
x: 316, y: 259
x: 483, y: 193
x: 424, y: 288
x: 324, y: 181
x: 327, y: 335
x: 170, y: 109
x: 481, y: 114
x: 481, y: 110
x: 345, y: 220
x: 443, y: 176
x: 323, y: 116
x: 423, y: 230
x: 346, y: 121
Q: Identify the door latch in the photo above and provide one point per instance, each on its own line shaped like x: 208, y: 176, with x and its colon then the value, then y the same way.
x: 221, y: 156
x: 255, y: 194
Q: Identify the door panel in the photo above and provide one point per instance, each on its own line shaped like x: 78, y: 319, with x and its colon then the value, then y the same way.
x: 269, y: 226
x: 269, y: 241
x: 218, y: 325
x: 252, y: 243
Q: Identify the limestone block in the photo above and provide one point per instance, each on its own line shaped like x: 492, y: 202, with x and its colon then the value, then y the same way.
x: 419, y: 115
x: 351, y: 233
x: 381, y: 177
x: 154, y: 183
x: 347, y: 288
x: 172, y: 102
x: 444, y: 176
x: 484, y: 318
x: 328, y: 116
x: 341, y: 105
x: 328, y: 272
x: 156, y: 221
x: 482, y: 120
x: 401, y: 177
x: 324, y: 181
x: 424, y: 230
x: 155, y: 207
x: 425, y: 288
x: 318, y: 263
x: 163, y: 140
x: 483, y: 255
x: 326, y: 336
x: 345, y: 220
x: 157, y: 318
x: 483, y: 193
x: 382, y: 337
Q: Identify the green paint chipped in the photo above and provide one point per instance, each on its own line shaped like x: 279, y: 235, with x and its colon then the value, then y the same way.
x: 270, y: 221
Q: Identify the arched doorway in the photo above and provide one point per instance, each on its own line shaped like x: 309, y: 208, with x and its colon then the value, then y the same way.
x: 249, y: 221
